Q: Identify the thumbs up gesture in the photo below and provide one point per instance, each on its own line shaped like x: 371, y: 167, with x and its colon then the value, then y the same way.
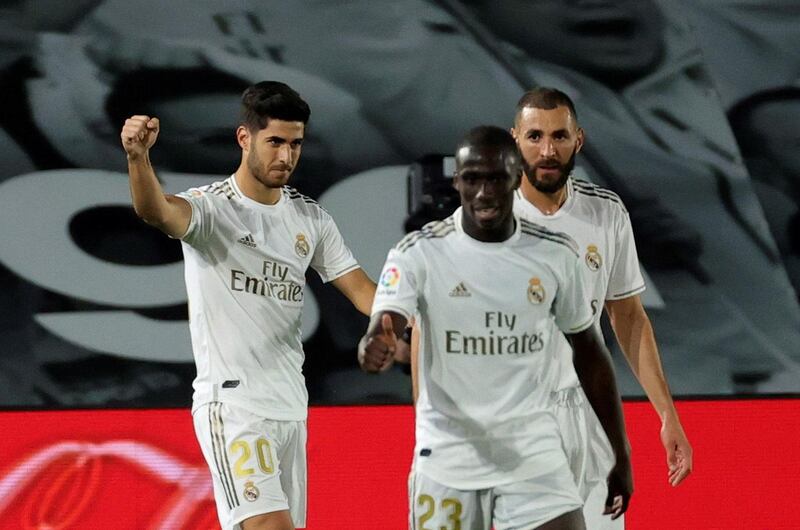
x: 376, y: 348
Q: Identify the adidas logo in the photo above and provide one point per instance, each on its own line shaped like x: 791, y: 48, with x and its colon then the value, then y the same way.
x: 460, y: 290
x: 247, y: 241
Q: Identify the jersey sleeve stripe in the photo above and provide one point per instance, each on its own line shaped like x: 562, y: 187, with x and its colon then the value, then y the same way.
x: 613, y: 199
x: 581, y: 327
x: 626, y: 294
x: 436, y: 229
x: 593, y: 190
x: 597, y: 189
x: 586, y: 185
x: 296, y: 195
x: 408, y: 240
x: 571, y: 247
x: 222, y: 188
x: 533, y: 229
x: 342, y: 272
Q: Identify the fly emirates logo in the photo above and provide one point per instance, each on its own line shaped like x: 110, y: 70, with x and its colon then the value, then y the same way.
x: 498, y: 339
x: 272, y: 284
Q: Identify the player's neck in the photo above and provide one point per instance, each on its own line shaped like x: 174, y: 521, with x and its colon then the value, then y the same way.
x: 496, y: 235
x: 255, y: 190
x: 547, y: 203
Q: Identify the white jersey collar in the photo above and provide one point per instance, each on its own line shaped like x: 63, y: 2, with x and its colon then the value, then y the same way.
x: 531, y: 210
x: 244, y: 198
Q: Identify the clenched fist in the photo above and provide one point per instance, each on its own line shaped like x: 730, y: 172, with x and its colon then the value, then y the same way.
x: 138, y: 135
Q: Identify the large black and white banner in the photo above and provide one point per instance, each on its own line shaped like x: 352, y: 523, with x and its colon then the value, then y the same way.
x: 690, y: 110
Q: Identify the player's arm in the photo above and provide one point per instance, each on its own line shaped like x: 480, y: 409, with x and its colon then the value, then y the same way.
x: 396, y: 301
x: 358, y: 288
x: 414, y: 357
x: 635, y: 336
x: 168, y: 213
x: 376, y: 348
x: 403, y: 352
x: 596, y: 373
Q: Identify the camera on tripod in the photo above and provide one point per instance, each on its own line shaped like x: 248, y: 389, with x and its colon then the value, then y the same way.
x: 431, y: 196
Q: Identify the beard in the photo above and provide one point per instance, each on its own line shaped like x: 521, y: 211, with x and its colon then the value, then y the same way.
x: 261, y: 173
x: 549, y: 186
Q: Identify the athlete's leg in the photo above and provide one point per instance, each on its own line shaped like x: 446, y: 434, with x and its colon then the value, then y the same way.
x: 589, y: 455
x: 293, y: 464
x: 241, y: 450
x: 549, y: 500
x: 569, y: 521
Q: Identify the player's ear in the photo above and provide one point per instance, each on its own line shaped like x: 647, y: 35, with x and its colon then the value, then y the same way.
x: 243, y: 137
x: 580, y: 139
x: 515, y: 170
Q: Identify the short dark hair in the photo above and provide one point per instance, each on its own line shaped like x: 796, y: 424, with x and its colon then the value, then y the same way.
x: 490, y: 136
x: 546, y: 98
x: 272, y: 100
x: 134, y: 92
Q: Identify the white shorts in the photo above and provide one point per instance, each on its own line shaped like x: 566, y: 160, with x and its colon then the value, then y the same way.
x: 257, y: 465
x: 589, y: 454
x: 519, y: 506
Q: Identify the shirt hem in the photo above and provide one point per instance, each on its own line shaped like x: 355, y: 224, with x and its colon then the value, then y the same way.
x: 271, y: 414
x: 530, y: 471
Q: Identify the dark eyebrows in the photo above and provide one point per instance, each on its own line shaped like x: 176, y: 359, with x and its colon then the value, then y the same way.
x: 557, y: 132
x: 477, y: 173
x: 281, y: 140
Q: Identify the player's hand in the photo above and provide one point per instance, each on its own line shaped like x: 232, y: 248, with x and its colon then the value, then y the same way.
x: 376, y: 349
x: 620, y: 488
x: 679, y: 451
x: 139, y: 134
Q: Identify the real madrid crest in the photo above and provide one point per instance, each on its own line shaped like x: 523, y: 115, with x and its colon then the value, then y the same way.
x: 250, y: 491
x: 536, y: 292
x: 301, y: 246
x: 593, y: 258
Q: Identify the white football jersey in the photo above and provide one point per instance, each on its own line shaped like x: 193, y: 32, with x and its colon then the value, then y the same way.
x: 245, y: 265
x: 488, y: 313
x: 599, y: 223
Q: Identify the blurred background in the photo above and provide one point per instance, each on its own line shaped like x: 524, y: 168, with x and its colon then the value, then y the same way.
x: 690, y: 109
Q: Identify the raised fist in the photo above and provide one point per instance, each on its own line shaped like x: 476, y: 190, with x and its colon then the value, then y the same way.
x: 139, y: 134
